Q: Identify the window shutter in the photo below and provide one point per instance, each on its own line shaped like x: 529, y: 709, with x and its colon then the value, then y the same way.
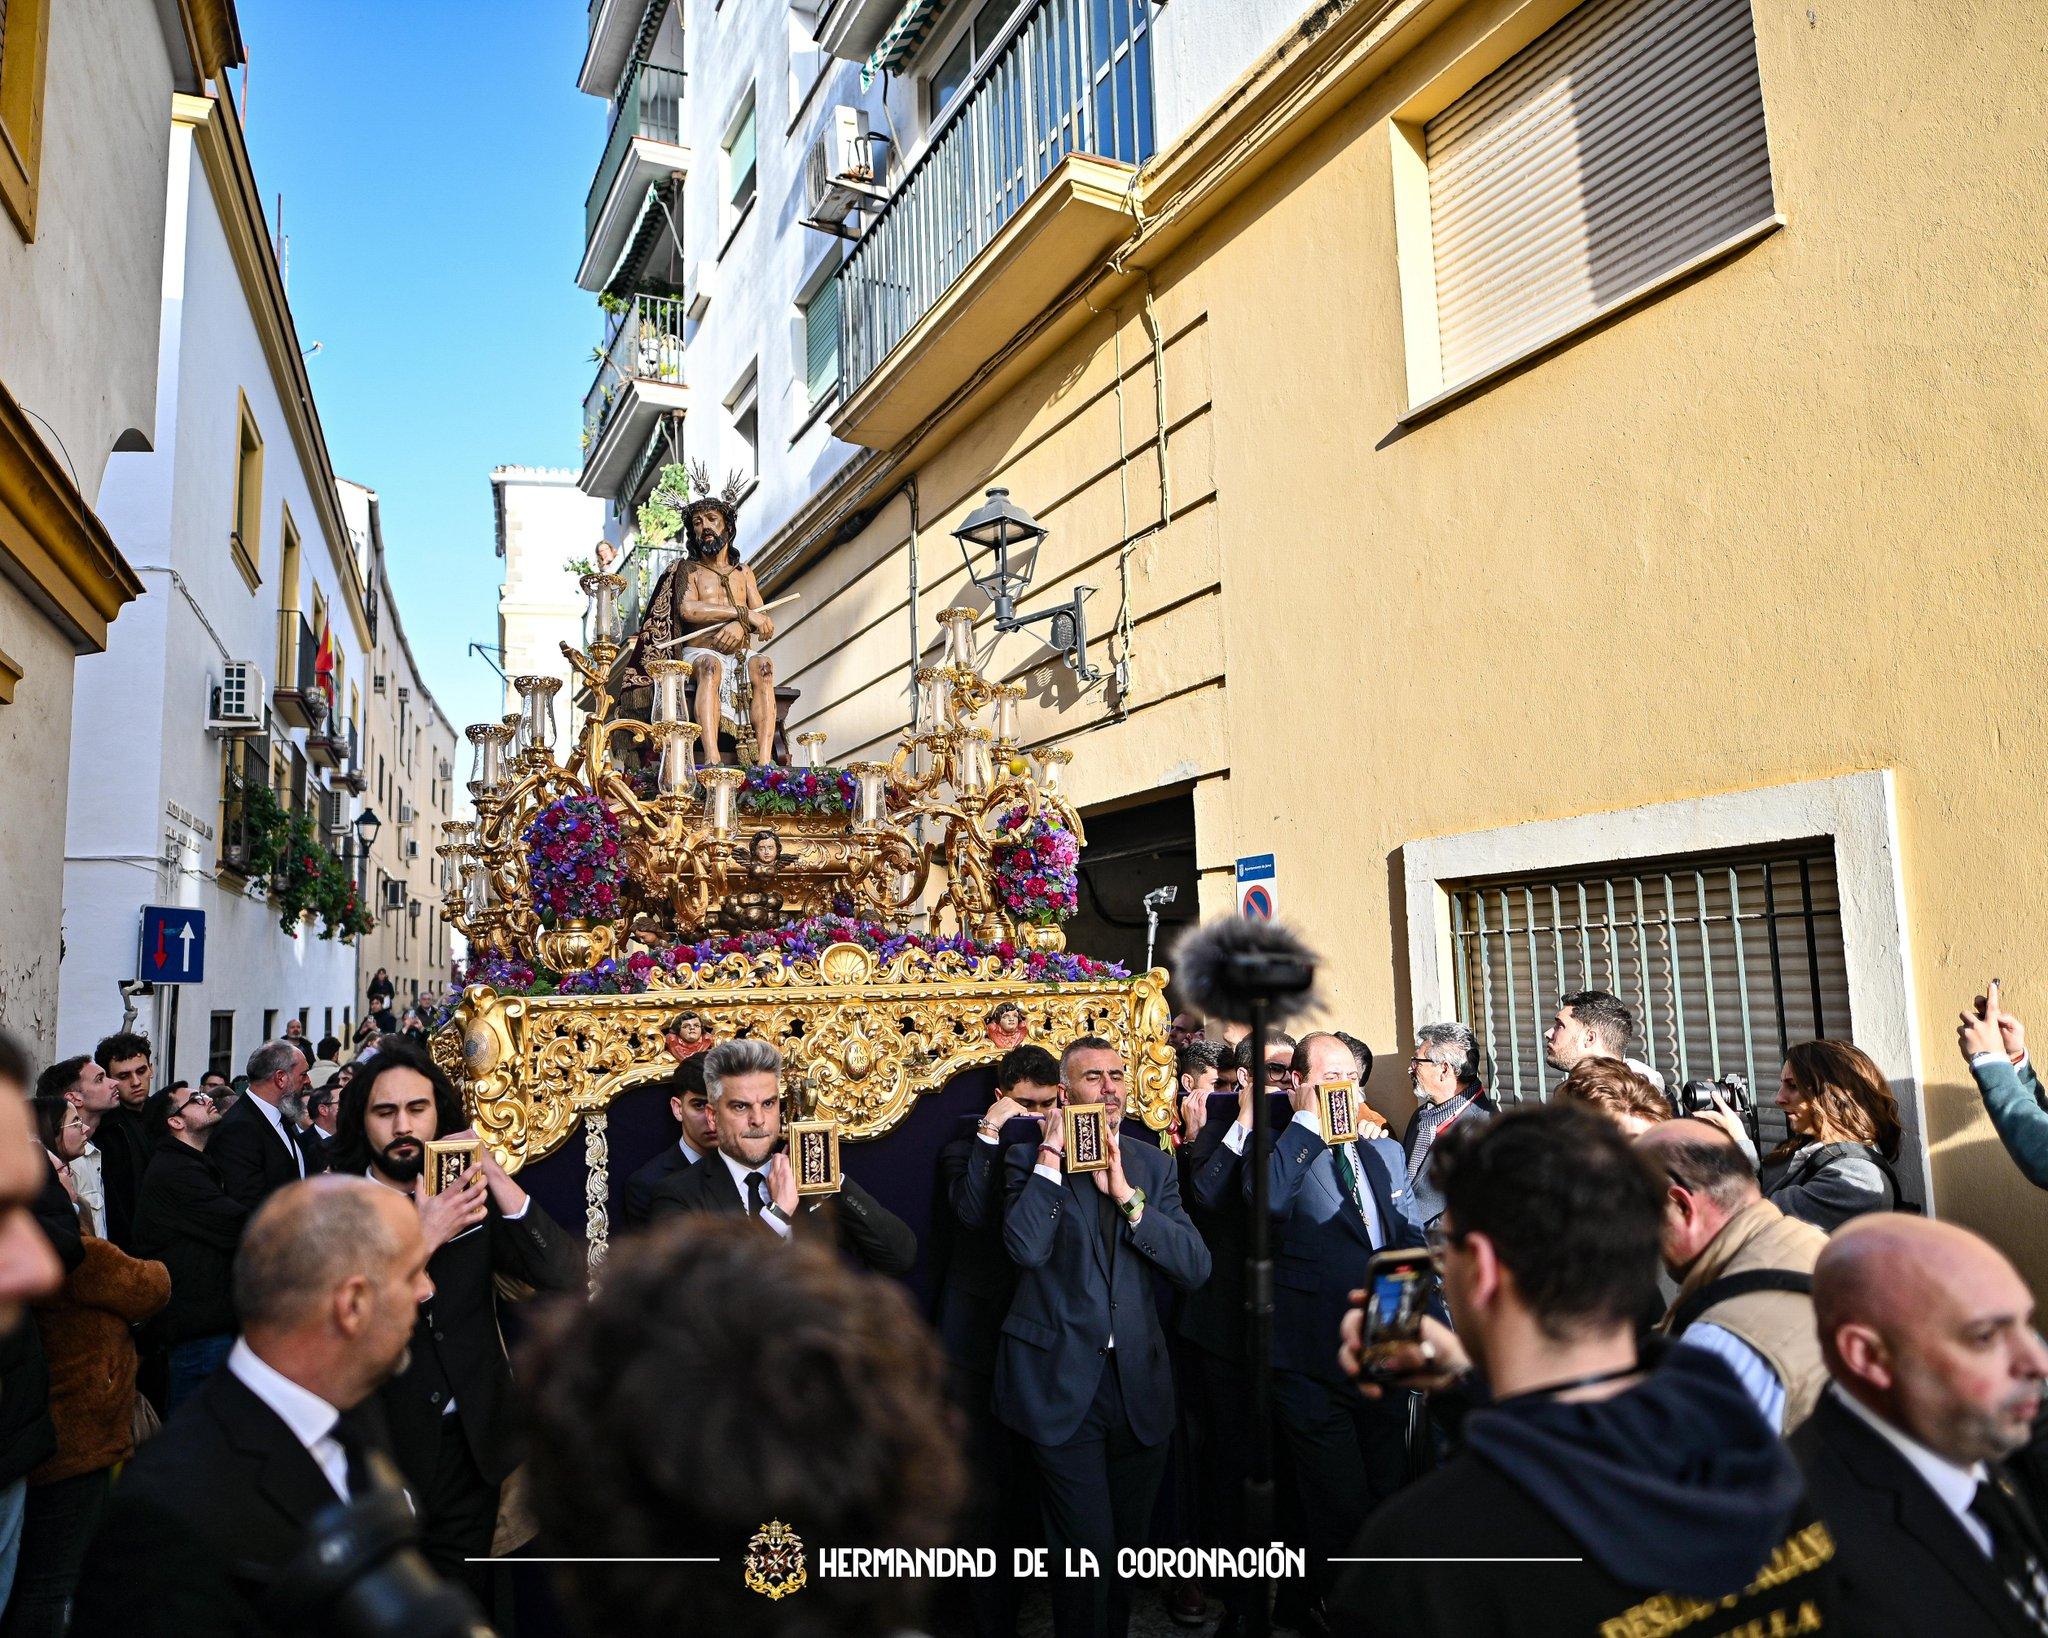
x: 821, y: 340
x: 1618, y: 146
x: 742, y: 159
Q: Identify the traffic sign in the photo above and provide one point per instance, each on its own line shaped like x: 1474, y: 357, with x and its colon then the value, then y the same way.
x: 173, y: 945
x: 1257, y: 890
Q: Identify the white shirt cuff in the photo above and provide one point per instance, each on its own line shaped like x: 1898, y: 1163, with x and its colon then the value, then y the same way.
x: 1306, y: 1117
x: 983, y: 1137
x: 1235, y: 1139
x: 781, y: 1228
x: 1050, y: 1173
x: 525, y: 1206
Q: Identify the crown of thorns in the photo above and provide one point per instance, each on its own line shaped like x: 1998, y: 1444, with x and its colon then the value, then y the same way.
x: 726, y: 501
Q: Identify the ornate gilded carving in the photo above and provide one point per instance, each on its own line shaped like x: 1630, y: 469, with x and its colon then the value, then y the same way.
x: 861, y: 1040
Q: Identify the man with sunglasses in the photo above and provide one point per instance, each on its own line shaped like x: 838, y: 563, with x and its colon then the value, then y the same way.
x: 187, y: 1220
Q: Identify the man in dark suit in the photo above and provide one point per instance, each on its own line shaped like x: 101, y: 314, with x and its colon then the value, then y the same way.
x: 752, y: 1177
x: 1083, y: 1371
x: 187, y: 1221
x: 1444, y: 1070
x: 259, y: 1147
x: 451, y: 1411
x: 1929, y: 1335
x: 974, y: 1280
x: 690, y: 1103
x: 1332, y: 1207
x: 122, y: 1135
x: 207, y: 1515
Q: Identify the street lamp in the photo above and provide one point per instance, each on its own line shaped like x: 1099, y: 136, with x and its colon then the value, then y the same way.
x: 999, y: 527
x: 366, y: 827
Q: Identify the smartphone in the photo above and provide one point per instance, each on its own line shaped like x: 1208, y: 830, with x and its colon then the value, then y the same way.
x: 1021, y: 1129
x: 1398, y: 1286
x: 1223, y: 1109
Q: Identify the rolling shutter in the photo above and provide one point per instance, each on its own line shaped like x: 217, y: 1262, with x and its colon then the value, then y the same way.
x: 821, y: 340
x: 1618, y: 146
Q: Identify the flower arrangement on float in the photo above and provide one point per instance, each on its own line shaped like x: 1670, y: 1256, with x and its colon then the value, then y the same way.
x: 572, y: 861
x: 1035, y: 863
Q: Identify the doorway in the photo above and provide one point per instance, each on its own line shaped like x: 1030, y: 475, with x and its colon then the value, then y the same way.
x: 1134, y: 850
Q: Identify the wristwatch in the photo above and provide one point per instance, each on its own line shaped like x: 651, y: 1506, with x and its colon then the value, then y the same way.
x: 1132, y: 1203
x: 780, y: 1216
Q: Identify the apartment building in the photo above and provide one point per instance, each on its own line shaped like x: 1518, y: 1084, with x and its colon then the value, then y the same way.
x: 1556, y: 477
x: 83, y: 167
x: 217, y: 749
x: 410, y: 787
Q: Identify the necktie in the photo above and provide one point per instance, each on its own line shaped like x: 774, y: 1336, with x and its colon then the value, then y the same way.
x: 757, y: 1193
x: 2012, y: 1548
x: 1347, y: 1174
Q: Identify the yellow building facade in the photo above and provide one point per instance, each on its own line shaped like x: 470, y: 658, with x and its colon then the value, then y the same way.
x: 1675, y: 630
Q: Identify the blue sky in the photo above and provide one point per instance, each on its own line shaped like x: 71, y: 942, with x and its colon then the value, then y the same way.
x: 433, y: 158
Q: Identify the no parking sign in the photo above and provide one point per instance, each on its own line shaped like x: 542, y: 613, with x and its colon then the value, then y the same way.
x: 1257, y: 892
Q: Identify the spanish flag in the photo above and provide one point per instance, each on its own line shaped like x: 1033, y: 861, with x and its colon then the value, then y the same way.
x: 323, y: 656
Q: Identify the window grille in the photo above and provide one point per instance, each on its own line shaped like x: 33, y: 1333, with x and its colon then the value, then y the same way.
x: 1728, y: 960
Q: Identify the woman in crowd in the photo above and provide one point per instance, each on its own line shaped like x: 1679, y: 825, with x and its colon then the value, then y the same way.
x: 85, y: 1333
x: 1836, y: 1164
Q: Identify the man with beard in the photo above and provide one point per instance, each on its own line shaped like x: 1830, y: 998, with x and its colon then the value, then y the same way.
x: 259, y: 1147
x: 208, y: 1515
x: 451, y: 1411
x: 1929, y: 1335
x: 710, y: 588
x: 753, y: 1177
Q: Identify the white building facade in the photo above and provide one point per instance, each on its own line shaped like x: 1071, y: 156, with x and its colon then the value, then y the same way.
x: 83, y: 91
x: 787, y: 185
x: 235, y: 688
x: 543, y: 522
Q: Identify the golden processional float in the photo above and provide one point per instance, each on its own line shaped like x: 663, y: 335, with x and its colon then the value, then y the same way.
x: 865, y: 920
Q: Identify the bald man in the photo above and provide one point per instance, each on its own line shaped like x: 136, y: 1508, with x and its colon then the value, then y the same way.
x: 330, y: 1275
x: 1745, y: 1269
x: 1929, y: 1336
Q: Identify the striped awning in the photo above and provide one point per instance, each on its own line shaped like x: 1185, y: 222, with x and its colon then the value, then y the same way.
x: 913, y: 26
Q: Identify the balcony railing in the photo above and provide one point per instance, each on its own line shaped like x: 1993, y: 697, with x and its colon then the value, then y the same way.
x: 297, y: 695
x: 1075, y: 78
x: 650, y: 105
x: 647, y: 345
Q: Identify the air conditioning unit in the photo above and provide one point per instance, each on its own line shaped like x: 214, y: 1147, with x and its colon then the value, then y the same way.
x: 406, y: 815
x: 241, y: 701
x: 334, y: 813
x: 404, y: 694
x: 394, y: 894
x: 377, y: 684
x: 447, y: 770
x: 839, y: 176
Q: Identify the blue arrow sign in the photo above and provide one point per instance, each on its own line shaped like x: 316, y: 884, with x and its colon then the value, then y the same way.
x: 173, y: 945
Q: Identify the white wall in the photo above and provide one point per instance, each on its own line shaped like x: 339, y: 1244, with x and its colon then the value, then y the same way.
x: 141, y: 755
x: 544, y: 520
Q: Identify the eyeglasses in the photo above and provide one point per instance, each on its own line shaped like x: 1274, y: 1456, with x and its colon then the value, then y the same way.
x: 1440, y: 1239
x: 197, y: 1097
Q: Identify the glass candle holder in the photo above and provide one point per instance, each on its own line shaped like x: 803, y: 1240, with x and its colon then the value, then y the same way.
x: 938, y: 698
x: 476, y: 891
x: 959, y: 628
x: 671, y: 690
x: 721, y: 798
x: 810, y: 750
x: 678, y: 741
x: 603, y: 591
x: 537, y: 713
x: 1049, y: 765
x: 1008, y: 697
x: 971, y: 768
x: 484, y: 771
x: 870, y: 794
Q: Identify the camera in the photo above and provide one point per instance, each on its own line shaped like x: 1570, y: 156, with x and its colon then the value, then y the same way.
x: 360, y: 1575
x: 1697, y: 1098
